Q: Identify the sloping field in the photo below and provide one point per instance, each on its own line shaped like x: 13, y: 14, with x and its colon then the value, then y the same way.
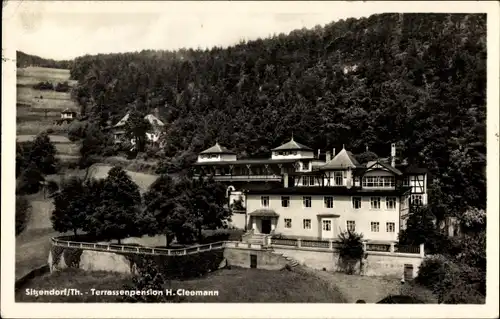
x: 142, y: 180
x: 37, y: 110
x: 53, y: 138
x: 32, y: 75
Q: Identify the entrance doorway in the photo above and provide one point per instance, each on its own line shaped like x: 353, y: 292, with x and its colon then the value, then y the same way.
x: 266, y: 226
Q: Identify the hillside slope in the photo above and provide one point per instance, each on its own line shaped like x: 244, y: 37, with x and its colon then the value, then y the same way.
x: 415, y: 79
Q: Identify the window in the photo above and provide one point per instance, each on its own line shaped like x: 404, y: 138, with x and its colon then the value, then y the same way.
x: 375, y: 202
x: 264, y: 201
x: 406, y: 181
x: 339, y: 179
x: 307, y: 201
x: 305, y: 165
x: 378, y: 181
x: 417, y: 183
x: 351, y: 225
x: 285, y: 201
x: 307, y: 223
x: 356, y: 202
x: 390, y: 227
x: 375, y: 227
x: 328, y: 201
x: 308, y: 180
x: 390, y: 202
x: 288, y: 223
x: 416, y: 200
x: 327, y: 225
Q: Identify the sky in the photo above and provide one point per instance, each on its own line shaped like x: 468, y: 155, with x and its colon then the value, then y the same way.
x: 60, y: 30
x: 67, y: 29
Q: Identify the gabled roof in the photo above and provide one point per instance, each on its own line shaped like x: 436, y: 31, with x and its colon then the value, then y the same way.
x: 153, y: 120
x: 292, y: 146
x: 383, y: 165
x: 217, y: 149
x: 67, y: 110
x: 342, y: 160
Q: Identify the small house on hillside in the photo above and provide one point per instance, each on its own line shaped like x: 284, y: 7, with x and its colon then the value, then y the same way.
x: 152, y: 136
x: 67, y: 116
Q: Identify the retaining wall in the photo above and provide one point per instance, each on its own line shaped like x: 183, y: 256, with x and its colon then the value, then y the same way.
x: 375, y: 264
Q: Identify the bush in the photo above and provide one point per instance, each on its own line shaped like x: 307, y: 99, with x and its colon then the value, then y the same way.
x: 30, y: 181
x: 350, y: 250
x: 23, y: 210
x: 149, y: 277
x: 44, y: 86
x: 451, y: 282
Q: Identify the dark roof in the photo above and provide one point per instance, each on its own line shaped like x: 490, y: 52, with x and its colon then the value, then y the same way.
x: 342, y: 160
x: 292, y: 146
x: 247, y: 161
x: 331, y: 190
x: 217, y: 149
x: 412, y: 169
x: 68, y: 111
x: 264, y: 213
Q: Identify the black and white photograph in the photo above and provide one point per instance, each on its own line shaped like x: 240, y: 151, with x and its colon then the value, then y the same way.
x: 275, y: 159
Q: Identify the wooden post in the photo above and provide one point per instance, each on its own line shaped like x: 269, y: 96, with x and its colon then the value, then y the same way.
x: 391, y: 249
x: 299, y: 244
x: 422, y: 251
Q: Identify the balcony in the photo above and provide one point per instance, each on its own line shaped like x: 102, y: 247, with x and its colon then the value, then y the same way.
x: 254, y: 178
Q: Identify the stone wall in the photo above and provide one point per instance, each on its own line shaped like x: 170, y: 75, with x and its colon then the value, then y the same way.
x: 375, y: 263
x: 265, y: 260
x: 61, y: 257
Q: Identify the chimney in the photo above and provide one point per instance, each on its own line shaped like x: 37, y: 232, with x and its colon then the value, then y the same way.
x: 285, y: 180
x: 328, y: 156
x: 333, y: 153
x: 319, y: 151
x: 393, y: 154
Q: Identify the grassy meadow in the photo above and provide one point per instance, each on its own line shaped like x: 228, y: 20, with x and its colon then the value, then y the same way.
x: 37, y: 110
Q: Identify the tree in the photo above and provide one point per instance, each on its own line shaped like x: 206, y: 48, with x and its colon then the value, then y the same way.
x: 117, y: 209
x: 136, y: 128
x: 30, y: 181
x: 43, y: 154
x: 351, y: 249
x: 94, y: 144
x: 72, y: 206
x: 207, y: 204
x: 160, y: 203
x: 23, y: 210
x: 421, y: 229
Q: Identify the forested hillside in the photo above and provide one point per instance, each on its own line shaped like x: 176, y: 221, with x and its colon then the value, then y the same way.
x: 415, y: 79
x: 24, y: 60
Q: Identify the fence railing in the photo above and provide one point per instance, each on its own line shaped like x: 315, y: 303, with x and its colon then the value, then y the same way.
x: 378, y: 247
x: 407, y: 249
x: 291, y: 242
x: 141, y: 249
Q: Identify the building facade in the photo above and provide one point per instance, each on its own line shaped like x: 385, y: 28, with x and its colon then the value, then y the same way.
x: 296, y: 193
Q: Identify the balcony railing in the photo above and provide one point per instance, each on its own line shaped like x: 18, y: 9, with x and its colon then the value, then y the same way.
x: 276, y: 178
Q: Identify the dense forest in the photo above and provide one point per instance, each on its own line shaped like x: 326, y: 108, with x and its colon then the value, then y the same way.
x: 24, y: 60
x: 418, y: 80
